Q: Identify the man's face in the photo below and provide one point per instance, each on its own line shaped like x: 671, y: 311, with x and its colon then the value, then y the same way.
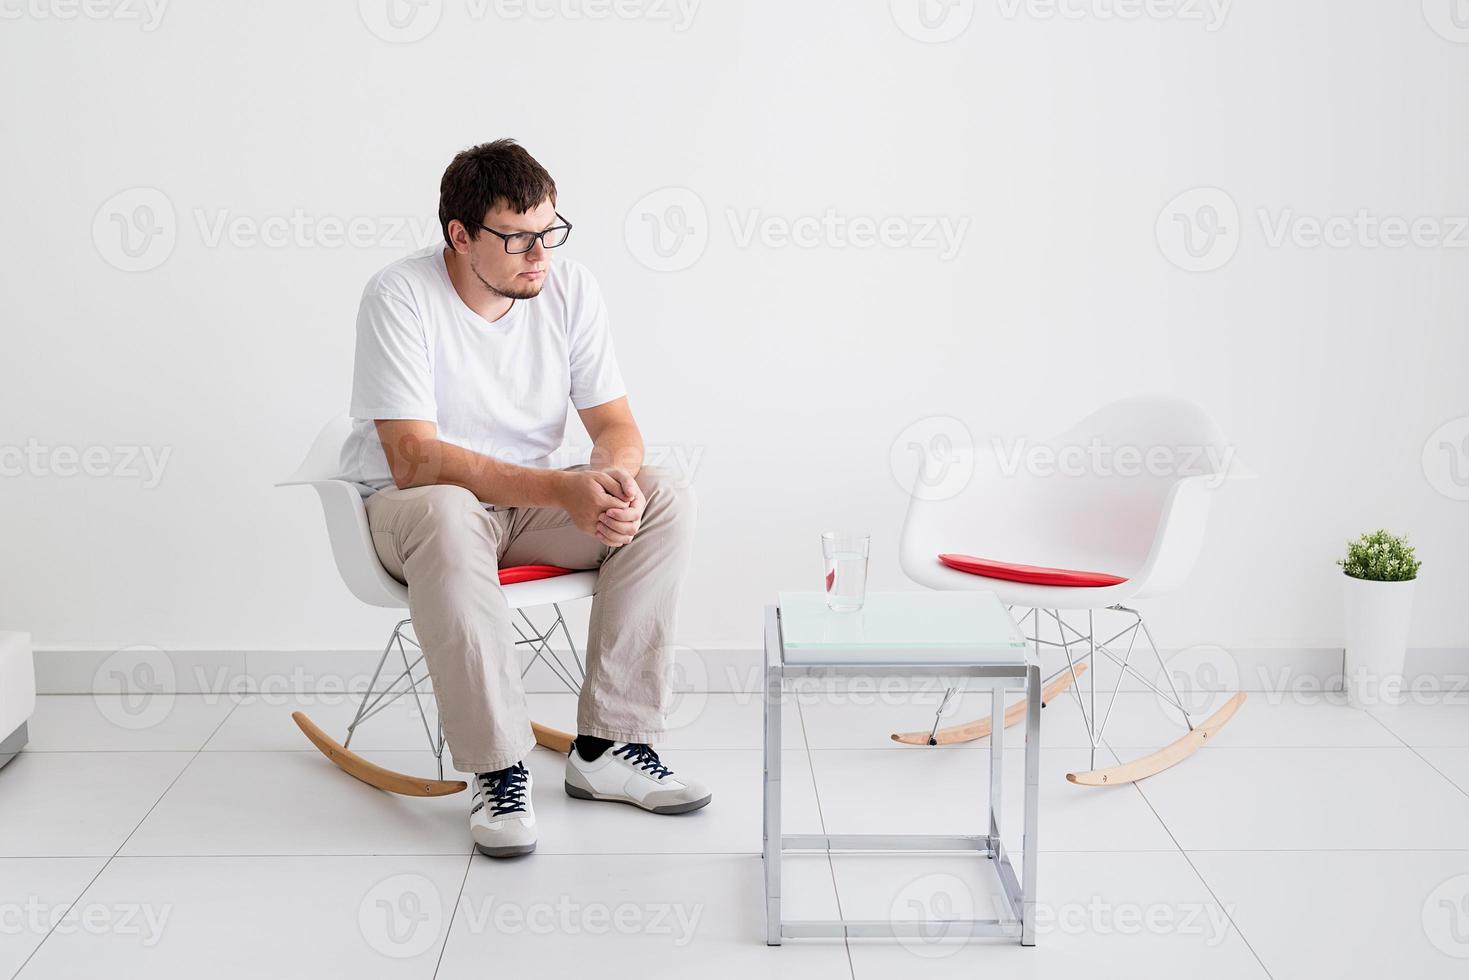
x: 516, y: 276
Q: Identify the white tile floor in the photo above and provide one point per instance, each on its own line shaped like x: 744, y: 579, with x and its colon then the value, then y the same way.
x: 208, y: 838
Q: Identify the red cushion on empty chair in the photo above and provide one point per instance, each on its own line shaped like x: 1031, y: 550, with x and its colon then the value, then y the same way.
x: 516, y: 574
x: 1031, y: 574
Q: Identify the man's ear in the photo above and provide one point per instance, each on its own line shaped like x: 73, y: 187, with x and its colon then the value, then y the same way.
x: 459, y: 236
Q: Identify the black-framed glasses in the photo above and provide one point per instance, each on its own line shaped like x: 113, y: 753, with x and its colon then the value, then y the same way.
x: 523, y: 241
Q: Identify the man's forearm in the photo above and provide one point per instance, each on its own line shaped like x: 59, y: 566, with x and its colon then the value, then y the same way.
x: 619, y: 447
x: 416, y: 462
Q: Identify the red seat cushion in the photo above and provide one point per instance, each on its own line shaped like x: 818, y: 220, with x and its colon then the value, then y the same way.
x: 1031, y: 574
x: 516, y: 574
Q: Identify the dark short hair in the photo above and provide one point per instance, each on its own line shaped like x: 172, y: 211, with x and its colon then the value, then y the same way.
x: 482, y: 176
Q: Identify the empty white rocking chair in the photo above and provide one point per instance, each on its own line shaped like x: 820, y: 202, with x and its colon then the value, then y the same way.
x: 1143, y: 529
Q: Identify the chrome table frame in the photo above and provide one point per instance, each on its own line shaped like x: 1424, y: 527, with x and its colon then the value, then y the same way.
x: 1019, y: 894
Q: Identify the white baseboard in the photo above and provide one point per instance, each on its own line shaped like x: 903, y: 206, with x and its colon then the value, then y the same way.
x: 137, y: 669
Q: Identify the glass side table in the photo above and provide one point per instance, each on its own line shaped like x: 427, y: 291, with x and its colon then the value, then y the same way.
x: 967, y: 635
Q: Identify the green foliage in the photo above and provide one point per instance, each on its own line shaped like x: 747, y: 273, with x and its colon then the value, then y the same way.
x: 1380, y: 557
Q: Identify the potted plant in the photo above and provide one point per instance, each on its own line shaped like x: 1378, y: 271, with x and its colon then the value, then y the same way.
x: 1380, y: 571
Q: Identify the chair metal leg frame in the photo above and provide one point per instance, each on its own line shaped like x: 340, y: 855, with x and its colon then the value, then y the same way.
x: 373, y: 701
x: 1069, y: 676
x: 1017, y: 916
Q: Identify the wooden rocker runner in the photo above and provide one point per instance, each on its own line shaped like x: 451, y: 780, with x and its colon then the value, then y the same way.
x: 1068, y: 678
x: 374, y: 701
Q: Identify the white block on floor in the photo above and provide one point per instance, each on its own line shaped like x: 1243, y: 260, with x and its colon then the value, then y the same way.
x: 17, y: 691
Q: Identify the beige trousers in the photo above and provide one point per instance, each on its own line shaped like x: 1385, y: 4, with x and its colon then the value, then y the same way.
x: 442, y: 543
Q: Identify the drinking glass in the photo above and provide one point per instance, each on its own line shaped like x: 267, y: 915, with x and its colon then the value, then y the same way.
x: 845, y: 555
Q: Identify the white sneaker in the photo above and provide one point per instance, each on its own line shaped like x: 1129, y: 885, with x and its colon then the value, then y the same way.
x: 502, y: 821
x: 629, y: 772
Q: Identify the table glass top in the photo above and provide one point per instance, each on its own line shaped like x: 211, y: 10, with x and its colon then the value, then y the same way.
x: 908, y: 620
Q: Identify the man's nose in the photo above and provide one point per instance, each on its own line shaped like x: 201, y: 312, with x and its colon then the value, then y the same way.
x: 537, y: 252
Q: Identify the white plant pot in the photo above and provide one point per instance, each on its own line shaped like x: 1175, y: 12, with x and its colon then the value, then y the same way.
x: 1377, y: 618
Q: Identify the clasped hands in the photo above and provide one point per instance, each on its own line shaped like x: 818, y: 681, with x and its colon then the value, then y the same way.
x: 607, y: 504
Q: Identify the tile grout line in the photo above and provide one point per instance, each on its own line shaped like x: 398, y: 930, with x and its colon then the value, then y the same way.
x: 108, y: 863
x: 1198, y: 874
x: 821, y: 817
x: 1414, y: 750
x: 453, y: 914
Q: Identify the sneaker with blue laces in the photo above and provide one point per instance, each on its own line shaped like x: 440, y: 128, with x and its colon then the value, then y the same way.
x: 631, y: 772
x: 502, y: 821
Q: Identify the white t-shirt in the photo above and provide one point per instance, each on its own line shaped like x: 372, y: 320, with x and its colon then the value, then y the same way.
x: 500, y: 388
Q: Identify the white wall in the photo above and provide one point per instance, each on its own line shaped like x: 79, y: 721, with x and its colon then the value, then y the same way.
x: 790, y: 370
